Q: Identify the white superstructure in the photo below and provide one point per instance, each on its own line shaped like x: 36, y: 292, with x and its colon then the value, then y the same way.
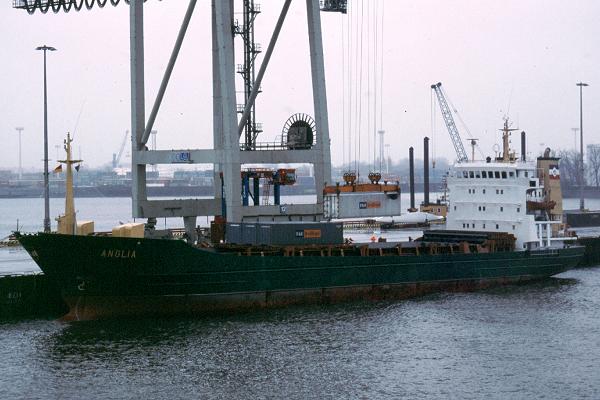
x: 493, y: 197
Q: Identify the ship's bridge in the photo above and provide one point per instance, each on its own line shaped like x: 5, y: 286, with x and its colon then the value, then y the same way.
x: 492, y: 196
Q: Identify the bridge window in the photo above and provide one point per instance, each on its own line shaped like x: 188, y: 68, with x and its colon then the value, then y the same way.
x: 471, y: 174
x: 503, y: 174
x: 497, y: 174
x: 511, y: 174
x: 483, y: 174
x: 490, y: 174
x: 526, y: 174
x: 477, y: 174
x: 465, y: 174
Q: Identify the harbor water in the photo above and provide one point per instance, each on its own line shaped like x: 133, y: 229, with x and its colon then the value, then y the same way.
x: 533, y: 341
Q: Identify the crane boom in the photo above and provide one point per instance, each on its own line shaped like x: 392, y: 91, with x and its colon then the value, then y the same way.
x: 123, y: 143
x: 450, y: 124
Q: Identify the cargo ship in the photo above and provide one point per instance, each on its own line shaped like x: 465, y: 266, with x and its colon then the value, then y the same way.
x: 503, y: 226
x: 502, y: 214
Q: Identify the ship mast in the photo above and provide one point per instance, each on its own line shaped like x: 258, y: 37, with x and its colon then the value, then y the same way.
x: 67, y: 223
x: 505, y: 134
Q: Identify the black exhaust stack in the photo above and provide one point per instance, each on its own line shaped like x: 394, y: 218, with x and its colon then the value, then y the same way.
x: 523, y: 149
x: 426, y: 170
x: 411, y: 171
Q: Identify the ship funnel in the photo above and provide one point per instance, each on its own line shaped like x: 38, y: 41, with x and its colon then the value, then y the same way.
x: 426, y: 170
x: 523, y: 148
x: 411, y: 171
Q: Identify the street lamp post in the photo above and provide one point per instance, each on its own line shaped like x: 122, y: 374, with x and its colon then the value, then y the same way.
x: 575, y: 130
x: 45, y: 48
x: 581, y: 171
x: 20, y: 130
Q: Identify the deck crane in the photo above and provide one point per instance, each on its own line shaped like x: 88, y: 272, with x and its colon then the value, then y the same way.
x: 450, y: 124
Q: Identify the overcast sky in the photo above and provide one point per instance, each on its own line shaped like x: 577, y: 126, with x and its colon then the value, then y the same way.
x: 517, y: 56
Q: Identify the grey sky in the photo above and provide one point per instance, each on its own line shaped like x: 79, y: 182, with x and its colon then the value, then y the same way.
x: 488, y: 54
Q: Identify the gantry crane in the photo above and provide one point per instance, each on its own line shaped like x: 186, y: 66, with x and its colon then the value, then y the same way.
x: 227, y: 154
x: 461, y: 153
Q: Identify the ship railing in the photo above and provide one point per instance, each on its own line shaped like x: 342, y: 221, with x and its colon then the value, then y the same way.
x: 545, y: 234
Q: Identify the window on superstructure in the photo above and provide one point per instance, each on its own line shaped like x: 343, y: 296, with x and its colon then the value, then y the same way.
x: 501, y: 209
x: 483, y: 174
x: 465, y: 174
x: 497, y: 174
x: 490, y: 174
x: 497, y: 226
x: 479, y: 208
x: 503, y: 174
x: 513, y: 227
x: 473, y: 225
x: 501, y: 191
x: 483, y: 208
x: 454, y: 208
x: 483, y: 226
x: 511, y: 174
x: 497, y: 191
x: 483, y: 191
x: 526, y: 175
x: 531, y: 183
x: 477, y: 174
x: 518, y: 209
x: 471, y: 174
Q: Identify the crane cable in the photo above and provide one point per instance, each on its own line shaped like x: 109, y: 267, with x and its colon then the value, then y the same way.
x: 455, y: 110
x: 343, y: 97
x: 381, y: 72
x: 433, y: 119
x: 368, y: 94
x: 376, y: 60
x: 349, y: 62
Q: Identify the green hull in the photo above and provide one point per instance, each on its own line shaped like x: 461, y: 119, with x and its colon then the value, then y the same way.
x: 107, y: 276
